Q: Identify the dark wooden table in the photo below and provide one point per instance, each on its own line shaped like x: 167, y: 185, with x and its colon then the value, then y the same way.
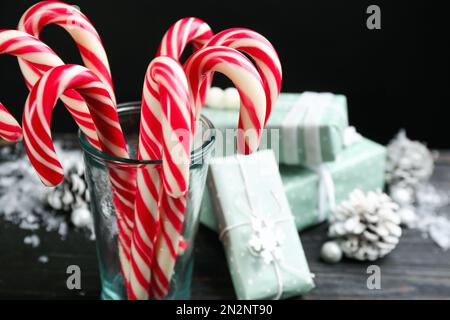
x: 417, y: 269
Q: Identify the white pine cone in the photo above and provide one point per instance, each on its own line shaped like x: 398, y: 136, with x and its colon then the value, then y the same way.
x: 409, y: 163
x: 72, y: 193
x: 366, y: 227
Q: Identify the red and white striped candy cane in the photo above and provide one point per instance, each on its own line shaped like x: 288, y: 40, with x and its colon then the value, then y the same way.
x: 247, y: 80
x: 9, y: 128
x: 38, y: 140
x: 241, y: 71
x: 39, y: 108
x: 181, y: 33
x: 168, y: 243
x: 94, y: 57
x: 263, y: 54
x: 166, y: 122
x: 174, y: 42
x: 79, y: 27
x: 42, y: 58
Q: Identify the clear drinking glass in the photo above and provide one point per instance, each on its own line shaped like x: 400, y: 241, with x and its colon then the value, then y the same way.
x: 97, y: 164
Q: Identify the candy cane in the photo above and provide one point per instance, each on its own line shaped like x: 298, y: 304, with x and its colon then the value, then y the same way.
x: 165, y: 133
x: 181, y: 33
x: 94, y: 57
x: 263, y: 54
x: 39, y: 145
x: 79, y: 27
x: 169, y: 239
x: 172, y: 45
x: 42, y: 58
x: 246, y: 79
x: 9, y: 128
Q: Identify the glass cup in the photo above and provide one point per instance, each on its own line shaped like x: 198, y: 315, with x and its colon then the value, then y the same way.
x: 97, y: 166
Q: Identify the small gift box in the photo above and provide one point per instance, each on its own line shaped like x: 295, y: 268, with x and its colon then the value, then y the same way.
x: 312, y: 192
x: 262, y: 246
x: 307, y: 128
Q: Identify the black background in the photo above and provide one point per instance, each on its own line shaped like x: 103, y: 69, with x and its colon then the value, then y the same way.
x: 396, y: 77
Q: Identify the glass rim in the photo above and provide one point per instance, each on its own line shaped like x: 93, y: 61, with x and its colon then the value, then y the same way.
x: 127, y: 107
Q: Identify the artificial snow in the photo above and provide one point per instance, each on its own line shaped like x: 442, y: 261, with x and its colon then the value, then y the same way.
x: 43, y: 259
x: 430, y: 214
x: 23, y: 196
x: 81, y: 217
x: 32, y: 240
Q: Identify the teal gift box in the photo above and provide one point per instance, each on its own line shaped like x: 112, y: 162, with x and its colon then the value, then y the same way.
x: 311, y: 192
x: 360, y: 166
x: 304, y: 128
x: 257, y: 229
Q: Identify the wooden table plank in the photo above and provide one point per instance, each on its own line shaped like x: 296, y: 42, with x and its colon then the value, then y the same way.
x: 417, y: 269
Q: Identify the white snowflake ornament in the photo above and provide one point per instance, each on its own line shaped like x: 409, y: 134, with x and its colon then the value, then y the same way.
x: 265, y: 241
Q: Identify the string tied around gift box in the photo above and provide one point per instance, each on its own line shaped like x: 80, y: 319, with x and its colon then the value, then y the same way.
x: 264, y: 241
x: 326, y: 184
x: 307, y: 111
x: 326, y: 190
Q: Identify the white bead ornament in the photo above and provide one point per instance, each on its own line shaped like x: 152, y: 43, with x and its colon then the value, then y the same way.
x: 223, y: 99
x: 231, y: 99
x: 331, y: 252
x: 214, y: 98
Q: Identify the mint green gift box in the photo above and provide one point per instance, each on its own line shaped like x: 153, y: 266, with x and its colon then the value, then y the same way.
x: 304, y: 128
x: 262, y: 246
x: 358, y: 166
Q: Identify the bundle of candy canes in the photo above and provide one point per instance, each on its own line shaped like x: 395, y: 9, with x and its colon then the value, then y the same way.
x: 150, y: 204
